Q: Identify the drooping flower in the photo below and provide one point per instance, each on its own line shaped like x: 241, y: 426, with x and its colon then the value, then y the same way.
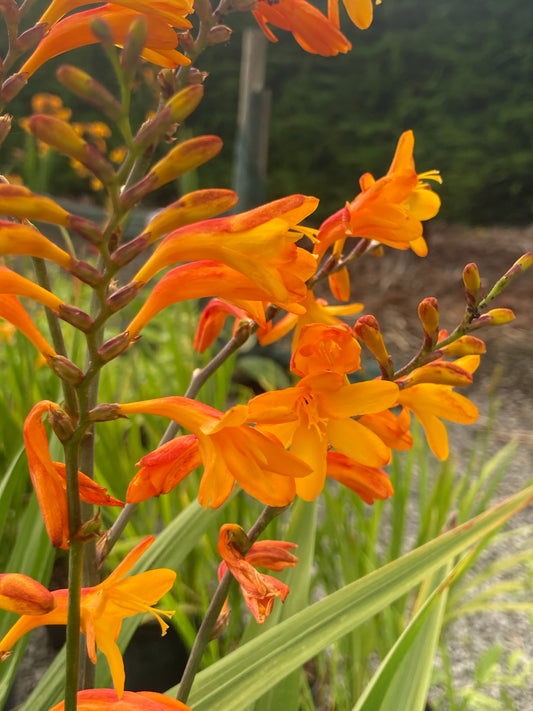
x: 389, y: 210
x: 259, y: 243
x: 107, y: 700
x: 259, y: 590
x: 430, y: 396
x: 318, y: 412
x: 212, y: 320
x: 75, y: 31
x: 230, y: 450
x: 310, y: 28
x: 49, y: 477
x: 24, y: 595
x: 102, y: 609
x: 370, y: 483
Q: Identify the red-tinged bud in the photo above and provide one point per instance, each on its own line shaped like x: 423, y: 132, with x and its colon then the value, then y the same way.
x: 133, y: 46
x: 122, y: 297
x: 219, y: 34
x: 85, y: 272
x: 185, y: 101
x: 186, y: 41
x: 466, y: 345
x: 12, y: 86
x: 66, y: 369
x: 154, y: 129
x: 24, y: 595
x: 428, y: 312
x: 196, y: 76
x: 520, y: 266
x: 105, y: 413
x: 124, y: 254
x: 5, y: 127
x: 114, y: 347
x: 90, y: 90
x: 76, y: 317
x: 61, y: 136
x: 10, y: 12
x: 60, y: 421
x: 472, y: 284
x: 494, y: 317
x: 167, y: 81
x: 439, y: 372
x: 367, y: 330
x: 30, y: 39
x: 183, y: 157
x: 86, y: 229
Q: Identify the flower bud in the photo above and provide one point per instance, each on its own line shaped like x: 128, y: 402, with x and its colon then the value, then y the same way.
x: 85, y: 272
x: 76, y: 317
x: 186, y: 41
x: 428, y: 312
x: 339, y: 283
x: 31, y: 38
x: 87, y: 88
x: 133, y: 46
x: 219, y: 34
x: 167, y: 81
x: 89, y: 529
x: 61, y: 136
x: 466, y: 345
x: 367, y: 330
x: 472, y: 284
x: 525, y: 261
x: 24, y: 595
x: 123, y: 296
x: 86, y: 229
x: 196, y: 76
x: 105, y: 413
x: 60, y: 421
x: 114, y: 347
x: 440, y: 372
x: 11, y: 13
x: 494, y: 317
x: 102, y: 31
x: 126, y: 252
x: 12, y: 85
x: 183, y: 157
x: 66, y: 369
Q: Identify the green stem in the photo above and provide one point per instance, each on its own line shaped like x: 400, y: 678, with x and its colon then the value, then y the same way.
x: 208, y: 623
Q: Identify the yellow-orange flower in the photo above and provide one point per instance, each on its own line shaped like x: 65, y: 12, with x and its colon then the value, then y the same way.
x: 75, y: 31
x: 389, y: 210
x: 360, y: 12
x: 212, y: 320
x: 108, y: 700
x: 12, y: 310
x: 259, y: 590
x: 310, y: 28
x: 230, y: 449
x: 102, y: 609
x: 24, y: 595
x: 49, y: 477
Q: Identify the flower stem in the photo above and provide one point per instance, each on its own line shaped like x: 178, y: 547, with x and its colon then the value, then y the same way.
x: 73, y: 625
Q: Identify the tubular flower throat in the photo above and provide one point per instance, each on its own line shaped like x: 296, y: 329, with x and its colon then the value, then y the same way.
x: 103, y: 607
x: 389, y: 210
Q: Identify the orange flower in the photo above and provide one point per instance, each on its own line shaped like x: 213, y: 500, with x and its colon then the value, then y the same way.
x: 360, y: 12
x: 212, y: 320
x: 24, y: 595
x: 164, y: 468
x: 12, y: 310
x: 230, y: 449
x: 173, y: 11
x: 49, y: 478
x: 430, y: 401
x: 318, y: 411
x: 259, y: 590
x: 310, y: 28
x: 370, y: 483
x: 316, y: 311
x: 389, y: 210
x: 259, y: 243
x: 102, y: 609
x: 107, y: 700
x: 75, y: 31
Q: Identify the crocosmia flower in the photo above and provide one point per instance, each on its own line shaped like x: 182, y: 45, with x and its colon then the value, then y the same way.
x: 108, y: 700
x: 22, y: 594
x: 359, y: 11
x: 103, y: 607
x: 259, y: 590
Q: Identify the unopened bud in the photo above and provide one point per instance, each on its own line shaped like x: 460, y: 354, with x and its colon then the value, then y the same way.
x: 219, y: 34
x: 66, y: 369
x: 90, y: 529
x: 61, y: 136
x: 494, y: 317
x: 428, y: 312
x: 105, y: 413
x: 76, y: 317
x: 24, y: 595
x: 87, y: 88
x: 85, y: 272
x: 61, y: 422
x: 5, y: 127
x: 186, y: 41
x: 466, y: 345
x: 196, y: 76
x: 472, y: 282
x: 114, y: 347
x: 185, y: 101
x: 520, y: 266
x: 122, y: 297
x: 31, y: 38
x: 440, y: 372
x: 126, y: 252
x: 133, y: 46
x: 167, y: 82
x: 12, y: 86
x: 103, y: 31
x: 339, y: 283
x: 11, y: 13
x: 183, y: 157
x: 367, y: 330
x: 86, y: 228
